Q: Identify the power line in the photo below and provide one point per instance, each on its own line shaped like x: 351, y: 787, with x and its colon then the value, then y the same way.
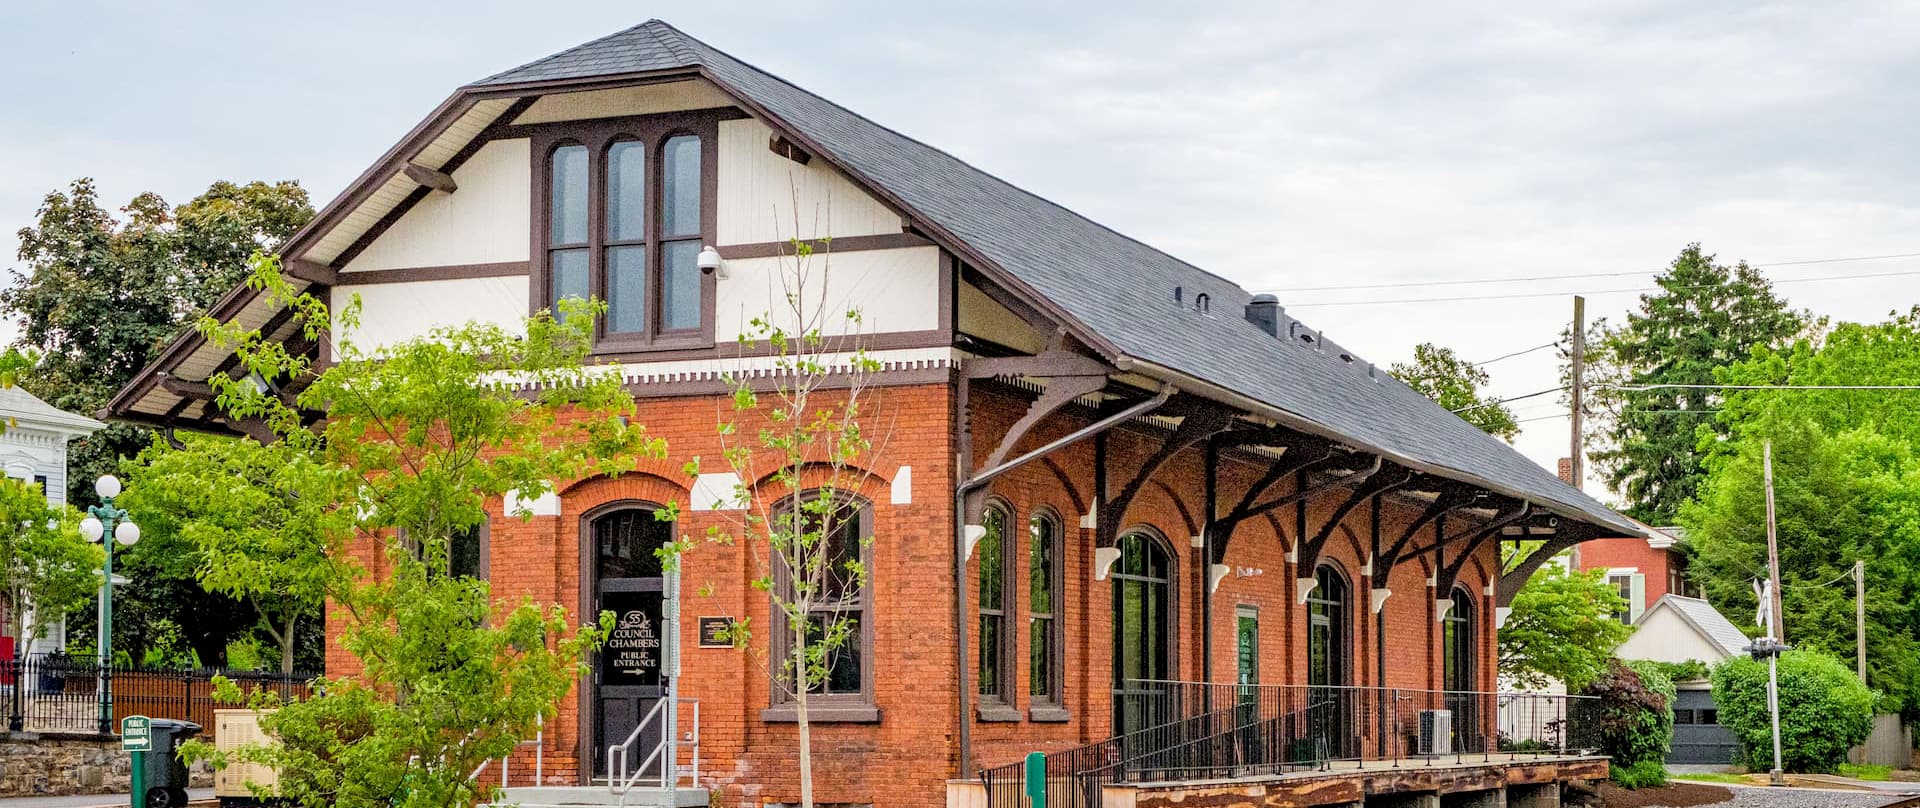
x: 1498, y: 402
x: 1573, y: 276
x: 1553, y: 344
x: 1645, y: 387
x: 1633, y: 290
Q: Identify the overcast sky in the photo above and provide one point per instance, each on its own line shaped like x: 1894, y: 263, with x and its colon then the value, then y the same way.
x: 1283, y: 145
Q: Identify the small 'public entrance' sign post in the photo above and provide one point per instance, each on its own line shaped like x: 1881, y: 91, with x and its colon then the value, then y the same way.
x: 136, y: 736
x: 1037, y: 779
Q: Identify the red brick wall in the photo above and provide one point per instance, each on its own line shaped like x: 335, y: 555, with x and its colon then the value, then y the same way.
x: 1657, y: 565
x: 905, y: 758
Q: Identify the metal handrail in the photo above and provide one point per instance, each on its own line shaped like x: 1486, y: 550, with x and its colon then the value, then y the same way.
x: 620, y: 781
x: 539, y: 756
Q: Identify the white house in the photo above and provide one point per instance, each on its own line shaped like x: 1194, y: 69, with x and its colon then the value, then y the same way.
x: 33, y: 448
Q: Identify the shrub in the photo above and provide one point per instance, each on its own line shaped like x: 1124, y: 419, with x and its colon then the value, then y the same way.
x: 1631, y: 715
x: 1824, y: 710
x: 1645, y: 774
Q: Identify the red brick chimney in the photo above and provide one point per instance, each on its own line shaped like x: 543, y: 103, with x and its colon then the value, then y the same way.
x: 1565, y: 470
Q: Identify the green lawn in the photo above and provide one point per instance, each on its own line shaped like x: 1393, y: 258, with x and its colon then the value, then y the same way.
x: 1865, y: 771
x: 1709, y: 777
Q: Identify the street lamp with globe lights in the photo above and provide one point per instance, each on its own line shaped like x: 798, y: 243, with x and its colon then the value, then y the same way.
x: 104, y: 519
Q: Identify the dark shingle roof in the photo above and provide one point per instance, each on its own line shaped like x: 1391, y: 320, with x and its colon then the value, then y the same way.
x: 1116, y: 287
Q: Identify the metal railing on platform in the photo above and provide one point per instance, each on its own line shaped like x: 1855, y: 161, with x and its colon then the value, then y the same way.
x: 60, y: 693
x: 1194, y: 731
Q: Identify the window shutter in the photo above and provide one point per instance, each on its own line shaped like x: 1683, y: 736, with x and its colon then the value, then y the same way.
x: 1637, y: 601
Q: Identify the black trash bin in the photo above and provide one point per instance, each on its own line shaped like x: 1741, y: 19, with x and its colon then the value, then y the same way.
x: 166, y: 775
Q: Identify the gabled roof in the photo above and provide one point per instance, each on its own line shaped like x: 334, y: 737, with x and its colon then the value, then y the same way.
x: 1114, y: 293
x: 1713, y: 626
x: 18, y: 405
x: 1118, y: 289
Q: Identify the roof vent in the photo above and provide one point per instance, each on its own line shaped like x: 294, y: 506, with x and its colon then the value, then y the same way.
x: 1264, y: 311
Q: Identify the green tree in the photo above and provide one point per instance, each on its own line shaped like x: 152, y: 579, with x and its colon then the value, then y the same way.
x: 97, y: 297
x: 799, y: 427
x: 428, y: 432
x: 1440, y: 374
x: 45, y: 566
x: 1706, y: 315
x: 1824, y: 710
x: 1846, y: 488
x: 253, y: 522
x: 1561, y: 628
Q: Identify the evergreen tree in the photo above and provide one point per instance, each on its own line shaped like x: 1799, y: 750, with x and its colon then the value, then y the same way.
x: 1706, y: 316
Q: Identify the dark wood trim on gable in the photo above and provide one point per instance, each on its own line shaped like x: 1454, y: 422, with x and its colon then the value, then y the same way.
x: 440, y: 273
x: 769, y: 249
x: 459, y: 158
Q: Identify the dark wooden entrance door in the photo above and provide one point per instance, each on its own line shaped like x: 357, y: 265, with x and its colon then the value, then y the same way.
x: 1330, y: 668
x: 1142, y: 634
x: 630, y: 674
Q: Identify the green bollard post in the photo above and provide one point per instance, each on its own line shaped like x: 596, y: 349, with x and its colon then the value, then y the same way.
x: 139, y: 779
x: 1037, y: 779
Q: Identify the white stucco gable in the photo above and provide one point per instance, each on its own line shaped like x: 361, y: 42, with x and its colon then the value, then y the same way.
x: 1681, y: 629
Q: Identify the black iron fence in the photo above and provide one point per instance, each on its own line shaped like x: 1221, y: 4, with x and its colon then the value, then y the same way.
x: 58, y: 693
x: 1193, y: 731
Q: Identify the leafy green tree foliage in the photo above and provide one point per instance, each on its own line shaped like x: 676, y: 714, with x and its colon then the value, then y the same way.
x: 1632, y: 715
x: 1846, y: 488
x: 97, y: 297
x: 254, y: 522
x: 45, y: 565
x: 1561, y: 628
x: 425, y: 434
x: 1824, y: 710
x: 1705, y: 316
x: 1440, y: 374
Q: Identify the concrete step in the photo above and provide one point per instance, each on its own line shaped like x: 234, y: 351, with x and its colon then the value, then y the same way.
x: 573, y: 796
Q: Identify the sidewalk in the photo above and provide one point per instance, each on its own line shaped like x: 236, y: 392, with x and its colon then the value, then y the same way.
x: 88, y: 801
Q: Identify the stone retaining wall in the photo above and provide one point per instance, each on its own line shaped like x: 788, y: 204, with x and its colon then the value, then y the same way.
x: 39, y: 764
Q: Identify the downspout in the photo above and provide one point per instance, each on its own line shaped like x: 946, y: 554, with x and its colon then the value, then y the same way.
x: 975, y: 483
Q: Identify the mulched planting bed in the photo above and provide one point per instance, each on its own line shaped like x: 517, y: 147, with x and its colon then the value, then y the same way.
x: 1675, y: 794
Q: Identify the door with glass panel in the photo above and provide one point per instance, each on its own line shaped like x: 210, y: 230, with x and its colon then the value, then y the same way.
x: 1457, y: 644
x: 1142, y: 647
x: 630, y: 674
x: 1329, y: 667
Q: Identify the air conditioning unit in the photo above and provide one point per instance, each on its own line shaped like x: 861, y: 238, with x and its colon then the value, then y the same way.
x: 1436, y: 733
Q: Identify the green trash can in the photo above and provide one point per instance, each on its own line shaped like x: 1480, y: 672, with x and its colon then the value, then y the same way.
x: 166, y: 776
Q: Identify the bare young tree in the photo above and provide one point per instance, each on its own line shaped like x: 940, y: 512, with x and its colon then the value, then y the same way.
x: 792, y: 436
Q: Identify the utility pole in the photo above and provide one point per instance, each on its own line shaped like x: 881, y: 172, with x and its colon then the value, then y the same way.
x: 1776, y: 633
x: 1860, y: 619
x: 1578, y: 388
x: 1576, y: 464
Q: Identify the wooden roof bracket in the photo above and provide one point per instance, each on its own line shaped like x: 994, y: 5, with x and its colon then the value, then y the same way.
x: 1202, y: 423
x: 1449, y: 573
x: 1513, y: 579
x: 1378, y: 483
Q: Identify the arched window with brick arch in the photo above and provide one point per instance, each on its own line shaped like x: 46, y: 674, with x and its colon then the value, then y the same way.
x: 1045, y: 635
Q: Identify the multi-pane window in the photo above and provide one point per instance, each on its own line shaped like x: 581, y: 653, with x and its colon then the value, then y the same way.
x: 994, y: 594
x: 1043, y: 609
x: 839, y: 603
x: 626, y: 207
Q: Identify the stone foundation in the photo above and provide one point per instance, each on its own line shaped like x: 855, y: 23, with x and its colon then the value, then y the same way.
x: 47, y: 764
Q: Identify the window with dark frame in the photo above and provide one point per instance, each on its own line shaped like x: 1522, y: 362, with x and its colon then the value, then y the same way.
x: 847, y: 692
x: 624, y: 207
x: 467, y: 553
x: 1044, y: 639
x: 995, y: 602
